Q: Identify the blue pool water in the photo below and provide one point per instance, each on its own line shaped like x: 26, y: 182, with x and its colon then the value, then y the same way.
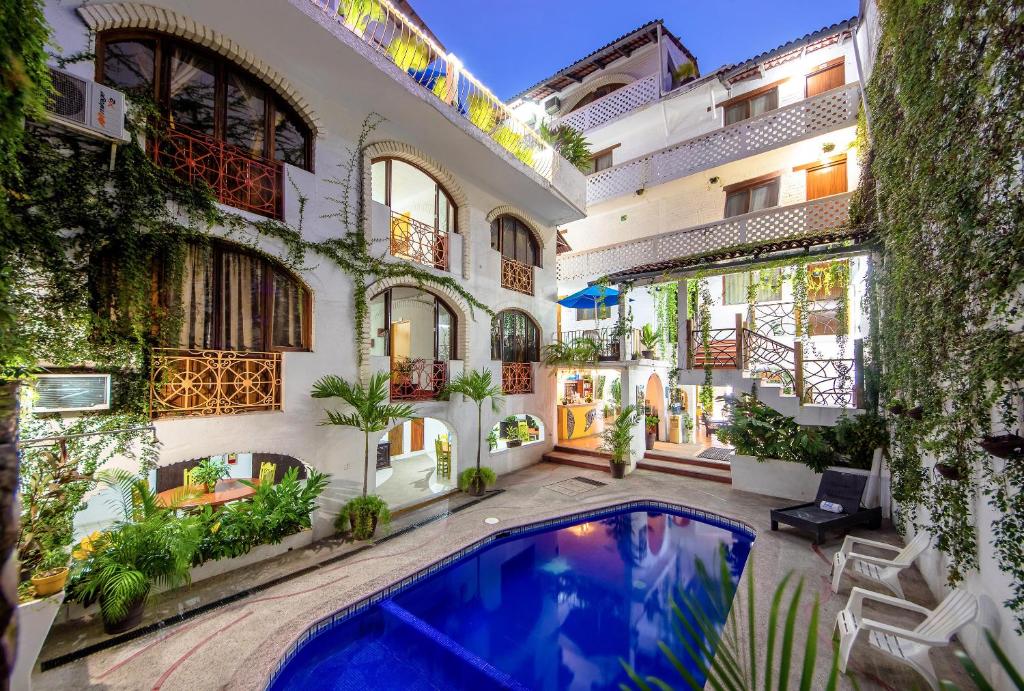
x: 555, y: 608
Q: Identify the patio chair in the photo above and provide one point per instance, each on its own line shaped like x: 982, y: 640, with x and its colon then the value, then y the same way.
x: 443, y: 451
x: 709, y: 426
x: 878, y: 569
x: 910, y: 646
x: 188, y: 481
x: 267, y: 473
x: 837, y: 487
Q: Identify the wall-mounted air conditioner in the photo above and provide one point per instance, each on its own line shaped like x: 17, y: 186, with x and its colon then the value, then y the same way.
x: 66, y: 393
x: 552, y: 105
x: 86, y: 106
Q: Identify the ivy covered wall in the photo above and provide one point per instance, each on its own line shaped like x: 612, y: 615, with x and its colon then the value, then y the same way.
x: 944, y: 199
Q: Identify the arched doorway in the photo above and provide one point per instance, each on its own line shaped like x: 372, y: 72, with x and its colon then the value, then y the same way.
x: 654, y: 400
x: 416, y: 460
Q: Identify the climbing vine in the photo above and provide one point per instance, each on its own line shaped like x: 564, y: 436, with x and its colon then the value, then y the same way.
x: 944, y: 196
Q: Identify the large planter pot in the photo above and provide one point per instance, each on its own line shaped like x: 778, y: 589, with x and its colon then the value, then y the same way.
x: 647, y: 354
x: 649, y: 439
x: 513, y: 443
x: 1004, y: 445
x: 355, y: 520
x: 33, y: 625
x: 795, y: 481
x: 51, y: 584
x: 131, y: 620
x: 618, y: 469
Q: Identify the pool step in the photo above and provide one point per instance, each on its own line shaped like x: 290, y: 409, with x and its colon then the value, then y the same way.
x: 701, y: 470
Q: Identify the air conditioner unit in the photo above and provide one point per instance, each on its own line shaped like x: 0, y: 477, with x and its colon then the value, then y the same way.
x: 65, y: 393
x: 553, y: 105
x: 86, y: 106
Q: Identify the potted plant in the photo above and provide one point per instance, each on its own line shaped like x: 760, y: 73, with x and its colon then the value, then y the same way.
x: 1004, y: 445
x: 149, y: 545
x: 949, y: 471
x: 617, y: 438
x: 509, y: 427
x: 209, y: 471
x: 477, y: 386
x: 362, y: 515
x: 524, y: 435
x: 492, y: 440
x: 51, y: 574
x: 650, y: 430
x: 649, y: 338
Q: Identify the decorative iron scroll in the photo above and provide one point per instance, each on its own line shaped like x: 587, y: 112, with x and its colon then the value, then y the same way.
x: 517, y: 276
x: 828, y: 382
x: 721, y: 351
x: 213, y: 382
x: 235, y: 176
x: 516, y: 377
x: 418, y: 242
x: 774, y: 319
x: 417, y: 380
x: 771, y: 360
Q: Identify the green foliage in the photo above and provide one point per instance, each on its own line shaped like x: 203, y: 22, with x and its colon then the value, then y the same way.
x: 649, y: 337
x: 274, y: 512
x: 944, y: 198
x: 492, y: 440
x: 858, y: 436
x: 477, y: 385
x: 209, y: 471
x: 651, y: 422
x: 515, y: 143
x: 467, y: 476
x: 617, y: 437
x: 578, y: 353
x: 616, y: 391
x: 370, y: 412
x: 756, y: 429
x: 362, y: 515
x: 148, y: 546
x: 569, y: 143
x: 52, y: 561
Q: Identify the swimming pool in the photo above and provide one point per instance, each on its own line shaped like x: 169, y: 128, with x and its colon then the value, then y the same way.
x: 549, y: 607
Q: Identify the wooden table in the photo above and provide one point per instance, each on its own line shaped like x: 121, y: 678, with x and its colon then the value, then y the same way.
x: 196, y: 495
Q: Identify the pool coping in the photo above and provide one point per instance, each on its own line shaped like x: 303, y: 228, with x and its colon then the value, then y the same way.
x: 337, y: 617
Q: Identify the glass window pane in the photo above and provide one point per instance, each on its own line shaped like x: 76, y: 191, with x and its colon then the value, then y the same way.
x: 289, y: 308
x: 442, y: 213
x: 508, y: 246
x: 522, y: 243
x: 735, y: 113
x: 192, y: 90
x: 764, y: 103
x: 736, y: 203
x: 378, y: 182
x: 128, y: 65
x: 193, y: 298
x: 764, y: 196
x: 412, y: 192
x: 445, y: 329
x: 289, y: 139
x: 378, y: 327
x: 246, y: 114
x: 496, y: 234
x: 735, y: 292
x: 240, y: 309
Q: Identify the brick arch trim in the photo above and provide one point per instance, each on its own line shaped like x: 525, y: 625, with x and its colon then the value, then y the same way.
x: 411, y: 154
x: 135, y: 15
x: 530, y: 222
x: 616, y: 78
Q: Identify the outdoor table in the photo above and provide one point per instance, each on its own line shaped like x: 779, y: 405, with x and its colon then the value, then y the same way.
x: 197, y: 496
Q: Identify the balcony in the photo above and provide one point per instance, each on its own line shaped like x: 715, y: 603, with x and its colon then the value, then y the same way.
x: 418, y: 242
x: 777, y: 223
x: 826, y: 112
x: 608, y: 345
x: 516, y: 378
x: 619, y: 102
x: 237, y: 178
x: 418, y: 379
x: 185, y: 383
x: 517, y: 276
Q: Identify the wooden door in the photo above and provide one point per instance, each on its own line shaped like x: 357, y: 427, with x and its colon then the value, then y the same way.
x: 401, y: 340
x: 825, y: 180
x: 397, y: 438
x: 416, y: 442
x: 826, y: 77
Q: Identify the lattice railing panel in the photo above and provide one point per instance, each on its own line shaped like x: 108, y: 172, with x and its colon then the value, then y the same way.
x: 517, y: 276
x: 417, y: 380
x: 236, y: 178
x: 213, y: 382
x: 418, y: 242
x: 828, y: 382
x: 777, y: 223
x: 818, y: 115
x: 516, y: 377
x: 621, y: 101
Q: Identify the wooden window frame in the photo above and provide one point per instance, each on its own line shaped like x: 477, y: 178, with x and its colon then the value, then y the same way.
x: 603, y: 152
x: 744, y: 273
x: 814, y: 165
x: 824, y: 67
x: 501, y: 335
x: 538, y: 249
x: 747, y: 185
x: 746, y: 97
x: 273, y: 101
x: 439, y: 190
x: 438, y: 303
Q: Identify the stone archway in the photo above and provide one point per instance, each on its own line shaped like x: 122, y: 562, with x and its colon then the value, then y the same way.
x: 654, y: 396
x: 410, y: 463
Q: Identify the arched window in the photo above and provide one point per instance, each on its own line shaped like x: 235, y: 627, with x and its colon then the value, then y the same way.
x: 205, y: 93
x: 410, y: 191
x: 231, y: 299
x: 412, y: 324
x: 515, y: 240
x: 515, y: 337
x: 597, y: 93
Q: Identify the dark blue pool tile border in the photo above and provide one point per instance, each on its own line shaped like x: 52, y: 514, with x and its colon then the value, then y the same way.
x: 345, y: 613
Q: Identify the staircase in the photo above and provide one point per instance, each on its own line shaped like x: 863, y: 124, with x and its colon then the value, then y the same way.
x: 656, y: 461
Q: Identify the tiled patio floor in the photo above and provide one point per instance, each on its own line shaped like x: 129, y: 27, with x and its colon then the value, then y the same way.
x: 237, y: 645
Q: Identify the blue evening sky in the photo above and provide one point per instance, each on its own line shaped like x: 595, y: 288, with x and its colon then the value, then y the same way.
x: 512, y: 44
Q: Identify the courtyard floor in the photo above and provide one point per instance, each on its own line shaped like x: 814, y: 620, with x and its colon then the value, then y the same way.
x: 237, y: 645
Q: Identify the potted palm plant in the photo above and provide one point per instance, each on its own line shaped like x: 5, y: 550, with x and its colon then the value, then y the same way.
x: 649, y: 338
x: 148, y: 546
x: 209, y: 471
x: 363, y: 515
x: 477, y: 386
x: 650, y: 430
x: 617, y: 438
x: 51, y: 574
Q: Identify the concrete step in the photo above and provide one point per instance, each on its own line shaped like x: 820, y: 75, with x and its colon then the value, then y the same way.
x: 673, y: 468
x: 561, y: 448
x: 696, y: 462
x: 579, y: 460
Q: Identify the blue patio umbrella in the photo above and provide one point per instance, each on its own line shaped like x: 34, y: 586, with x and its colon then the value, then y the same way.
x: 590, y: 296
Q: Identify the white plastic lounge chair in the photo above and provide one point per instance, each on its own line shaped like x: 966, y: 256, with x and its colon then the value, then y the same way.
x: 909, y: 645
x: 878, y: 569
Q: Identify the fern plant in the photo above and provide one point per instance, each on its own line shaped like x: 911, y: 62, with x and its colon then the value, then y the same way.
x: 576, y: 354
x: 569, y: 143
x: 617, y: 438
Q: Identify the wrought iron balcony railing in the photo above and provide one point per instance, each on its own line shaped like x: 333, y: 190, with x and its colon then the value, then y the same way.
x: 608, y: 107
x: 517, y: 276
x: 237, y: 178
x: 777, y: 223
x: 808, y: 118
x: 418, y: 380
x: 516, y: 377
x: 418, y: 242
x: 213, y: 382
x: 388, y: 32
x: 608, y: 344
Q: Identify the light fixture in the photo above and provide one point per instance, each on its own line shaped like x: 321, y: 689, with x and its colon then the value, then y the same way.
x: 491, y: 520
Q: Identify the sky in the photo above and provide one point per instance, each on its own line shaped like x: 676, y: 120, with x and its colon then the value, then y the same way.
x: 512, y: 44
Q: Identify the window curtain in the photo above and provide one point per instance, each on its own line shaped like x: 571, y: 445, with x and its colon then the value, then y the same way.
x: 241, y: 325
x: 246, y: 115
x: 194, y: 298
x: 192, y: 91
x: 289, y: 302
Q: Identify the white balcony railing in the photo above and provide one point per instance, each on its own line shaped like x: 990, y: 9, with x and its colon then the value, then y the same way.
x: 777, y: 223
x: 824, y: 113
x: 608, y: 107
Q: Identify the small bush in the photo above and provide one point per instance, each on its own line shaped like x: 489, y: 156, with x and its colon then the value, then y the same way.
x: 486, y: 474
x: 362, y: 516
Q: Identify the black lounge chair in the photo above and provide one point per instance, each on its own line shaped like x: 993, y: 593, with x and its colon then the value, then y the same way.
x: 846, y: 489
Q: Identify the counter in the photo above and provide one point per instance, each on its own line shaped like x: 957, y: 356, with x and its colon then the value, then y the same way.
x: 580, y: 420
